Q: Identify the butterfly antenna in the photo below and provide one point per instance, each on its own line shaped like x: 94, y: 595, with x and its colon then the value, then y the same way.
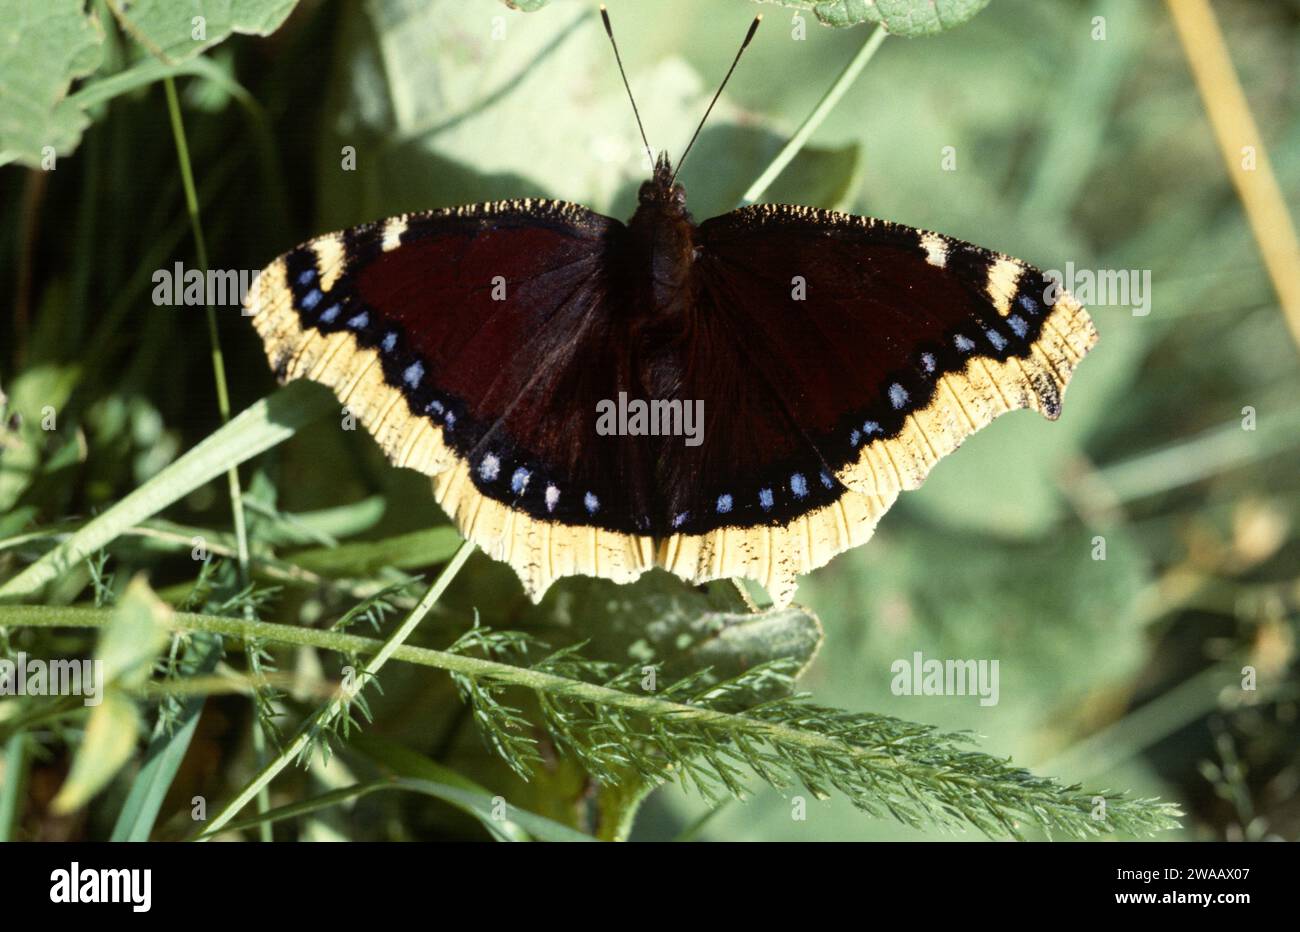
x: 609, y: 31
x: 753, y: 28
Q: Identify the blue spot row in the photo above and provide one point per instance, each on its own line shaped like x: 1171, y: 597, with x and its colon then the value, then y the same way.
x: 799, y: 485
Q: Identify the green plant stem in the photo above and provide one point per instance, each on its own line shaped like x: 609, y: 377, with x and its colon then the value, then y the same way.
x: 223, y: 399
x: 818, y: 115
x: 338, y: 706
x: 214, y: 338
x: 494, y: 671
x: 960, y: 794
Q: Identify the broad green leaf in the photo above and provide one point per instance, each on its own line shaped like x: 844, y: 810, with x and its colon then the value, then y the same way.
x: 106, y: 746
x: 149, y: 70
x: 660, y: 620
x: 657, y: 620
x: 139, y: 630
x: 1060, y: 620
x: 37, y: 397
x: 44, y: 47
x: 175, y: 32
x: 907, y: 18
x: 441, y: 110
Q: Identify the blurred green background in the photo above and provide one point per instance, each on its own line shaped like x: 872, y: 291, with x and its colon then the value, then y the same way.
x: 1121, y: 673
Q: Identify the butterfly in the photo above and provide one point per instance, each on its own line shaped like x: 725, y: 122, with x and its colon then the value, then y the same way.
x: 740, y: 397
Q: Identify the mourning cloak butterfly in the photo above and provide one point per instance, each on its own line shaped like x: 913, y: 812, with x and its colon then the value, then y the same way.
x: 837, y: 359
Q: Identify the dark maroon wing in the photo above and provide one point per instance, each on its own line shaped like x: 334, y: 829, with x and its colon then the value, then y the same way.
x: 493, y: 323
x: 820, y: 336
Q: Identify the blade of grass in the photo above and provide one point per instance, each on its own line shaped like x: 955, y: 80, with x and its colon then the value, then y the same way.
x: 818, y: 115
x: 1234, y: 128
x: 214, y: 337
x: 338, y: 706
x: 1201, y: 457
x: 11, y: 792
x: 136, y: 819
x: 361, y: 558
x: 1107, y: 749
x: 264, y: 424
x: 519, y: 826
x: 399, y: 761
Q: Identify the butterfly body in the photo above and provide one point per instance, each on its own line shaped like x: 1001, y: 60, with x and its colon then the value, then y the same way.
x: 658, y: 250
x: 741, y: 397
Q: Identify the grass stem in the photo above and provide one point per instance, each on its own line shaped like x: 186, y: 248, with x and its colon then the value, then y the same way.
x: 338, y: 706
x: 1242, y: 147
x: 817, y: 117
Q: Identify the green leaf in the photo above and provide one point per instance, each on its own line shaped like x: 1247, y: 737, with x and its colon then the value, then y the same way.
x: 107, y: 745
x: 660, y: 620
x: 39, y: 391
x: 526, y: 6
x: 175, y: 32
x: 443, y: 113
x: 44, y: 47
x: 13, y: 783
x: 138, y: 632
x: 148, y: 71
x: 1061, y: 622
x: 909, y: 18
x: 363, y: 558
x: 657, y: 620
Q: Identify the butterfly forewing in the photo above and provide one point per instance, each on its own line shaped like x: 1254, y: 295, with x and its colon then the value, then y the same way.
x: 475, y: 344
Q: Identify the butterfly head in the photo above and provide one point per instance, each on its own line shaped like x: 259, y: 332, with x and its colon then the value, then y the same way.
x: 661, y: 191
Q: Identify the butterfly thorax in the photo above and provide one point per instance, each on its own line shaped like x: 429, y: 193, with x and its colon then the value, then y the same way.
x: 660, y: 254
